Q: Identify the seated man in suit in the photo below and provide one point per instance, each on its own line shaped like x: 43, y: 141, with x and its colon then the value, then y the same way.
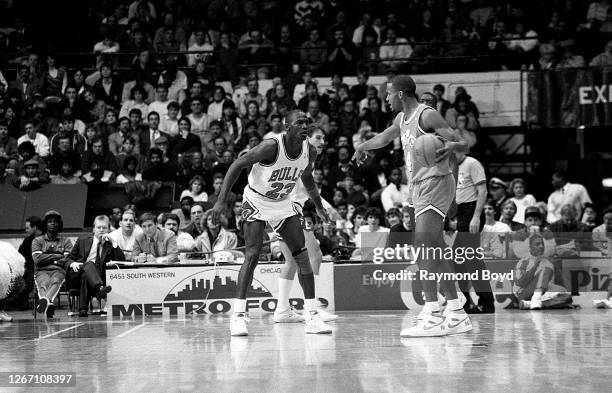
x: 89, y: 257
x: 154, y: 245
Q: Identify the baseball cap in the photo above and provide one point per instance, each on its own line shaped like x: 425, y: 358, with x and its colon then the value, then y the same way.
x: 160, y: 140
x: 52, y: 213
x: 533, y: 211
x: 31, y: 162
x: 497, y: 182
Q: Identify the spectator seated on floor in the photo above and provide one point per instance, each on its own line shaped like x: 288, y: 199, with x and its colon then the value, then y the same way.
x: 49, y: 253
x: 534, y: 280
x: 88, y: 259
x: 184, y: 241
x: 154, y: 245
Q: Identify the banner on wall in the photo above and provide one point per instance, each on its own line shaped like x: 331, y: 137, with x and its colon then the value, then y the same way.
x: 570, y: 97
x: 186, y: 290
x: 391, y: 286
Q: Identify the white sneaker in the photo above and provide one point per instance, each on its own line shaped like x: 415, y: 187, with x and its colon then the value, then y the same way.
x: 4, y: 317
x: 457, y: 322
x: 238, y: 324
x: 287, y: 316
x: 429, y: 326
x: 536, y: 304
x: 462, y: 301
x: 327, y: 316
x: 603, y: 303
x: 314, y: 324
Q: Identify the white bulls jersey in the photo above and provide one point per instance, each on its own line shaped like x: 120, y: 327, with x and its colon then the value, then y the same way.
x: 410, y: 130
x: 276, y: 181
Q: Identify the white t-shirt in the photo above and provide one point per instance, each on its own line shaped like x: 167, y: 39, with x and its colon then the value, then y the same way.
x: 491, y: 239
x: 192, y: 58
x: 392, y: 195
x: 574, y: 194
x: 521, y: 205
x: 203, y: 197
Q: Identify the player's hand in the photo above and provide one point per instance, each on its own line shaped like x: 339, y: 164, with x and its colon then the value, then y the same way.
x: 442, y: 153
x: 322, y: 213
x: 475, y: 225
x: 75, y: 266
x: 360, y: 156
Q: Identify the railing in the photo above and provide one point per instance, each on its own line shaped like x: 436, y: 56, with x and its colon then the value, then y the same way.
x: 88, y: 61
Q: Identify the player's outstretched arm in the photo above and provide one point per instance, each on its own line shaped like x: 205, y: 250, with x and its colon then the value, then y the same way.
x: 380, y: 140
x: 432, y: 120
x: 264, y: 152
x: 311, y: 187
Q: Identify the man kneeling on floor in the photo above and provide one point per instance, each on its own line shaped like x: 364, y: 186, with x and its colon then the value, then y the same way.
x: 49, y: 253
x: 89, y: 257
x: 533, y: 280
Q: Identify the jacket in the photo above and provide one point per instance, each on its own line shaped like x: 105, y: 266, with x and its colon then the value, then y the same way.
x: 163, y: 246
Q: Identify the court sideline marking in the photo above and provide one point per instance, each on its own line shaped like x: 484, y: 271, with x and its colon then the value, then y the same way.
x: 131, y: 330
x: 59, y: 331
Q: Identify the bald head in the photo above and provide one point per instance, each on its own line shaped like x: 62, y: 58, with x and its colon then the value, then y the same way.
x: 405, y: 84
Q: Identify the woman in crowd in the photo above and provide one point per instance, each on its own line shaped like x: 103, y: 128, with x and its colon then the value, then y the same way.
x: 232, y: 124
x: 462, y: 107
x: 196, y: 190
x: 253, y: 115
x: 78, y: 81
x: 94, y: 110
x: 55, y: 80
x: 215, y: 108
x: 492, y: 237
x: 522, y: 200
x: 185, y: 141
x: 130, y: 173
x: 508, y: 214
x: 215, y: 237
x: 138, y: 95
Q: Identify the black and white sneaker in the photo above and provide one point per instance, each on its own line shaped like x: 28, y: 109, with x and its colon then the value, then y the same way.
x: 43, y: 303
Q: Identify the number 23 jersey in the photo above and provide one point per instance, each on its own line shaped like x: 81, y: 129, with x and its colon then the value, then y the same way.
x: 277, y: 180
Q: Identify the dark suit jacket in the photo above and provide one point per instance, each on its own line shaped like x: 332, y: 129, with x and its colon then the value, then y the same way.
x: 82, y: 247
x: 145, y: 140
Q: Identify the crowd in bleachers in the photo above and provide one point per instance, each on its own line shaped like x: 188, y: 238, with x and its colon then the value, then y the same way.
x: 153, y: 109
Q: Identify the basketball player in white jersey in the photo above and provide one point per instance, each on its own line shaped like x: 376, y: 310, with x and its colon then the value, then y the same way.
x: 277, y: 165
x: 284, y: 313
x: 433, y: 192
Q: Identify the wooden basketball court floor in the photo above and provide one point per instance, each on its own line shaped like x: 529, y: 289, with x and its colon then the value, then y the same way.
x: 518, y: 351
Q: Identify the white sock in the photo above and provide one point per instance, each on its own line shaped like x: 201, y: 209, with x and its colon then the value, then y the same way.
x: 454, y: 305
x: 284, y: 287
x: 239, y: 305
x: 431, y: 307
x: 310, y: 305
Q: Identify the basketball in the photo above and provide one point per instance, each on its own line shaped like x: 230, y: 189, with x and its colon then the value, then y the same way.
x: 425, y: 149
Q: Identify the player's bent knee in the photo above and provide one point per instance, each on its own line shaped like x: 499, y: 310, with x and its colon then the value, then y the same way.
x: 301, y: 258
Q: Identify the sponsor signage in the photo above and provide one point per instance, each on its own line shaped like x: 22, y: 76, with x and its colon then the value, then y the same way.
x: 394, y: 286
x: 188, y: 290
